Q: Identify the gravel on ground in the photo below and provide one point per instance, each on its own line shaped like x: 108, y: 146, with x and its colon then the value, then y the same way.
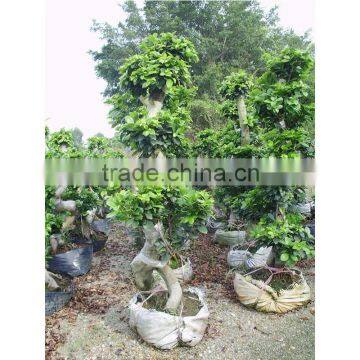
x: 94, y: 324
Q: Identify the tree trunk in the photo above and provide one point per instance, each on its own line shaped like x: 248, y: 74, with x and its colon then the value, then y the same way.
x: 149, y: 260
x: 153, y: 103
x: 245, y: 132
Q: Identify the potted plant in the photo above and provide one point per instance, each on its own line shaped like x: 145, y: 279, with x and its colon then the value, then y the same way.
x: 159, y: 76
x: 58, y: 292
x: 71, y: 207
x: 283, y: 104
x: 64, y: 255
x: 58, y: 289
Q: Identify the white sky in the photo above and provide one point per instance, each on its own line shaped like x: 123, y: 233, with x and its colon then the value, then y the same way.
x: 73, y: 92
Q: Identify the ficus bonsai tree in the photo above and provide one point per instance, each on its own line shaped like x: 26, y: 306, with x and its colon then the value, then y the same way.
x: 169, y: 216
x: 75, y: 205
x: 159, y: 76
x: 283, y: 103
x: 235, y: 87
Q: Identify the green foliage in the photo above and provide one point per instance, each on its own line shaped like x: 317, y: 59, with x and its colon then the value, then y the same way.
x: 288, y: 143
x: 284, y: 97
x: 100, y: 147
x: 121, y: 105
x: 97, y: 144
x: 61, y: 144
x: 179, y: 97
x: 211, y: 142
x: 229, y: 110
x: 53, y: 224
x: 290, y: 65
x: 163, y: 63
x: 223, y: 143
x: 288, y: 237
x: 163, y: 133
x: 136, y: 208
x: 125, y: 103
x: 175, y: 206
x: 162, y: 68
x: 236, y: 85
x: 283, y: 104
x: 53, y: 220
x: 253, y: 204
x: 227, y: 34
x: 85, y: 198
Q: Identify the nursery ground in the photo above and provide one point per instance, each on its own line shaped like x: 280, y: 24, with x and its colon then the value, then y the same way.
x: 93, y: 325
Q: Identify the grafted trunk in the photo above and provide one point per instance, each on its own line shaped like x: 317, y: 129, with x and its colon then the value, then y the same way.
x: 147, y: 261
x: 245, y: 132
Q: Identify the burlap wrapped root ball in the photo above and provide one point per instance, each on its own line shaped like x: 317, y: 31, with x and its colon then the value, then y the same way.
x: 238, y: 258
x: 256, y: 294
x: 229, y: 238
x: 165, y: 331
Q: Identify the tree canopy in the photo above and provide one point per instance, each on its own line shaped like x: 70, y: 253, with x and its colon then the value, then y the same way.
x: 228, y: 35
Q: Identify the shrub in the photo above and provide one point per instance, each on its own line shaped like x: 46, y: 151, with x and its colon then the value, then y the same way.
x: 288, y: 237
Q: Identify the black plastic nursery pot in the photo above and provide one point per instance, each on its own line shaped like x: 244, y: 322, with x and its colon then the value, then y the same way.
x: 56, y: 300
x: 73, y: 263
x: 97, y: 243
x: 101, y: 226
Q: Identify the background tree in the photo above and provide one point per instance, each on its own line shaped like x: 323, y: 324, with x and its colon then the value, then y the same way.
x: 99, y: 134
x: 77, y: 136
x: 228, y: 35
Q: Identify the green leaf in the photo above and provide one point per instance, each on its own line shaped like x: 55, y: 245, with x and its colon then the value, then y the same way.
x: 284, y: 257
x: 202, y: 229
x: 169, y: 83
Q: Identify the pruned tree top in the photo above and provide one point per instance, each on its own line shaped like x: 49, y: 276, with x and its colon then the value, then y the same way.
x: 162, y: 63
x: 235, y: 85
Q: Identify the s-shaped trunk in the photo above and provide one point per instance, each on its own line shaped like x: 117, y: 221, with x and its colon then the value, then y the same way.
x: 245, y: 132
x: 147, y: 261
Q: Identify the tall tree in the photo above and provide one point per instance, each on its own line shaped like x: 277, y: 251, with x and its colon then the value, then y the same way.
x: 77, y: 135
x: 228, y: 35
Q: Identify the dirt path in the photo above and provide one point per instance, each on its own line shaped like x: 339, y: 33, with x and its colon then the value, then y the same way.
x: 93, y: 325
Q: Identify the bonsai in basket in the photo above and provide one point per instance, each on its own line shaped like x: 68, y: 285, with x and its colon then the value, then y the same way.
x: 284, y: 108
x: 159, y: 77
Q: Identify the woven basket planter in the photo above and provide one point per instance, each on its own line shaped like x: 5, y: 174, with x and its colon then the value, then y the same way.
x: 261, y: 297
x: 165, y: 331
